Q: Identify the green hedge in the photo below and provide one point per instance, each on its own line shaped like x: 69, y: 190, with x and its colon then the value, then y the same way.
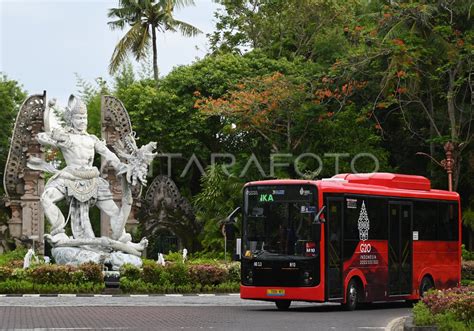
x: 178, y: 277
x: 50, y: 278
x: 204, y: 273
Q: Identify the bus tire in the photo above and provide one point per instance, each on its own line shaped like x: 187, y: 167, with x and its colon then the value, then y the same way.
x: 352, y: 296
x: 283, y: 304
x: 425, y: 286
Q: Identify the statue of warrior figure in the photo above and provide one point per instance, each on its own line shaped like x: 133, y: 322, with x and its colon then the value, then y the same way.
x: 81, y: 185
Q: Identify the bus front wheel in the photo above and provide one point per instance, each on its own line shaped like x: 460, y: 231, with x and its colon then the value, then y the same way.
x: 352, y: 296
x: 283, y: 304
x: 425, y: 286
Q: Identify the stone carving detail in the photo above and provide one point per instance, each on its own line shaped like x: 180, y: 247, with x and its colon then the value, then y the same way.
x: 29, y: 122
x: 116, y: 126
x: 165, y: 208
x: 23, y: 186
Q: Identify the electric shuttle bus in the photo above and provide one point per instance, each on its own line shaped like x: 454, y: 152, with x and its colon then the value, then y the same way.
x: 350, y: 239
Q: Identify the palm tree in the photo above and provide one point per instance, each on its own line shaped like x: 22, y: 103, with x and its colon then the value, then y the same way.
x: 145, y: 18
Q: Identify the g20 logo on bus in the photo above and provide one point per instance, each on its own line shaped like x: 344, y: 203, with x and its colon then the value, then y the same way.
x: 363, y: 224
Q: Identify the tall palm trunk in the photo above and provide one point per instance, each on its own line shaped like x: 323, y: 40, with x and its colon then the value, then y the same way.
x: 155, y: 54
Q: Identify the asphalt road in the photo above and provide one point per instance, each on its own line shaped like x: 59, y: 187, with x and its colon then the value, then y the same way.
x: 186, y: 313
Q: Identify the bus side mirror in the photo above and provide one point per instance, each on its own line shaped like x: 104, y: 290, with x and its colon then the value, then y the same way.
x: 232, y: 216
x: 319, y: 217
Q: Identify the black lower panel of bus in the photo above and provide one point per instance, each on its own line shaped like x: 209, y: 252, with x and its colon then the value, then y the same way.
x: 280, y: 273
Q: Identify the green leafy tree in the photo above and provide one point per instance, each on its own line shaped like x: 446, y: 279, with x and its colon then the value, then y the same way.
x: 220, y: 194
x: 417, y: 57
x: 145, y: 18
x: 306, y: 28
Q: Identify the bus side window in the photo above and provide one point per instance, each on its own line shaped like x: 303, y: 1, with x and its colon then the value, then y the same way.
x: 448, y: 223
x: 425, y: 220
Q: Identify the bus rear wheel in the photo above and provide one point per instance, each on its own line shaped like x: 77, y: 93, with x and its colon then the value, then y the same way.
x: 352, y: 296
x: 425, y: 286
x: 283, y: 304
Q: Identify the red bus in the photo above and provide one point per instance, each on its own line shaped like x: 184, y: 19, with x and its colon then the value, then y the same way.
x: 352, y: 238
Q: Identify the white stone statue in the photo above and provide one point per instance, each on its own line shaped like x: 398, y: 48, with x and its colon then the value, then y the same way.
x: 81, y: 185
x: 161, y: 260
x: 185, y: 254
x: 29, y: 257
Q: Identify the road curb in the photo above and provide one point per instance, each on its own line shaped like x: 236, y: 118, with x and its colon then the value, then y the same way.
x: 396, y: 324
x: 80, y: 295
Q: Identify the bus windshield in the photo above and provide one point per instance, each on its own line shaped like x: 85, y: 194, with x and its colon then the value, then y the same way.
x: 278, y: 220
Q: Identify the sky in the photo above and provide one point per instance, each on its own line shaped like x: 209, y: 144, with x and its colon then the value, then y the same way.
x: 45, y: 43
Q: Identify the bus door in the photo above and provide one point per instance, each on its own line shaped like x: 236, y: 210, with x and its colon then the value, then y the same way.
x: 400, y: 248
x: 333, y: 237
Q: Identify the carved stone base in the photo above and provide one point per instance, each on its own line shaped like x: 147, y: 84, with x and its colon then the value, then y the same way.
x: 77, y: 256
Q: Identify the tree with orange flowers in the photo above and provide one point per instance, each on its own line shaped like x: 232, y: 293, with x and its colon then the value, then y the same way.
x: 273, y: 106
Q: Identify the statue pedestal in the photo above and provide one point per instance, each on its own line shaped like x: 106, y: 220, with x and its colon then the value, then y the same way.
x: 77, y: 256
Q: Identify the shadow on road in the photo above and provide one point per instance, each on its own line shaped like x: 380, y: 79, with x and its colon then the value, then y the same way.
x: 324, y: 308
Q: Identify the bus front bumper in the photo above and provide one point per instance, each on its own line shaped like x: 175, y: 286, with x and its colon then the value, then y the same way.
x: 272, y: 293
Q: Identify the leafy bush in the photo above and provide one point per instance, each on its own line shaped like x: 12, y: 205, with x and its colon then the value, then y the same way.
x: 466, y: 255
x: 92, y: 272
x: 227, y: 287
x: 53, y: 274
x: 6, y: 259
x: 86, y: 287
x: 174, y: 257
x: 135, y: 286
x: 467, y: 270
x: 205, y: 257
x: 234, y: 272
x: 152, y: 272
x: 447, y: 322
x: 467, y: 282
x: 5, y: 273
x: 14, y: 264
x: 130, y: 271
x: 422, y: 315
x: 206, y: 274
x: 176, y: 274
x: 13, y: 286
x: 451, y: 309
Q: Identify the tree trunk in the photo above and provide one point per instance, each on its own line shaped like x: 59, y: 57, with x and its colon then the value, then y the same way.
x: 155, y: 55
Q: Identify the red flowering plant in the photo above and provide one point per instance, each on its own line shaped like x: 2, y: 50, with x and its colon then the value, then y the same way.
x: 458, y: 301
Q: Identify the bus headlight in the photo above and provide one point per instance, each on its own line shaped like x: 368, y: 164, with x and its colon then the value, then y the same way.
x: 307, y: 279
x: 249, y: 277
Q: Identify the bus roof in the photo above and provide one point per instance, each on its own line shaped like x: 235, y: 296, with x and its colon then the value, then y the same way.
x: 379, y: 183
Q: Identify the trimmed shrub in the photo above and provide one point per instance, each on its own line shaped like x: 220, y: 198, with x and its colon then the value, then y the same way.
x: 466, y: 255
x: 5, y: 273
x: 52, y: 274
x: 14, y: 264
x: 422, y: 315
x: 206, y: 274
x: 13, y: 258
x: 92, y: 272
x: 152, y: 272
x: 448, y: 322
x: 175, y: 274
x: 467, y: 270
x: 234, y: 272
x: 130, y: 271
x: 13, y: 286
x: 174, y: 257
